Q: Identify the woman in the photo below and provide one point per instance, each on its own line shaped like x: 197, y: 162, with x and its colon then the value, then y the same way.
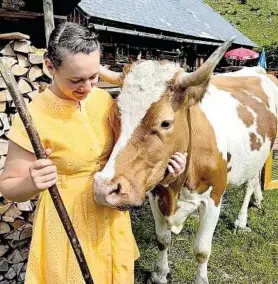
x: 72, y: 118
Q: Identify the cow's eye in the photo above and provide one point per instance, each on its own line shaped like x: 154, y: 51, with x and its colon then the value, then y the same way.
x: 166, y: 124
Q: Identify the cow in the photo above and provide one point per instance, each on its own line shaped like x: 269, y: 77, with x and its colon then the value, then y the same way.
x: 226, y: 124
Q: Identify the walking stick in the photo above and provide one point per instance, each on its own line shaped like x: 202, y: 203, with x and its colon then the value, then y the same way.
x: 39, y: 151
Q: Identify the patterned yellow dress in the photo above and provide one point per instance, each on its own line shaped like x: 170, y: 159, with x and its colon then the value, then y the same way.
x: 81, y: 140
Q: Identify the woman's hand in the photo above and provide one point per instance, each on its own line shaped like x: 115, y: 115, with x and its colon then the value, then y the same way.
x: 176, y: 164
x: 43, y: 173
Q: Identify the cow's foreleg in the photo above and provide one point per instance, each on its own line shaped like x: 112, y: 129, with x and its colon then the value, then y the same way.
x: 252, y: 186
x: 209, y: 214
x: 163, y: 235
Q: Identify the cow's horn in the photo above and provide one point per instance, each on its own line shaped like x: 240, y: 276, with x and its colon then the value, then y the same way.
x: 111, y: 76
x: 203, y: 73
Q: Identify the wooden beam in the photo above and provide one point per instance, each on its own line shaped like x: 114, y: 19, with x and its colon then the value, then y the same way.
x: 15, y: 35
x: 25, y: 15
x: 48, y: 19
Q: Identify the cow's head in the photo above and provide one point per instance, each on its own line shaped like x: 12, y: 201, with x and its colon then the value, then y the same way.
x: 151, y: 112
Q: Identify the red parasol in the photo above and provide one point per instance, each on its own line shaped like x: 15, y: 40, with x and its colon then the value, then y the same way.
x: 241, y: 54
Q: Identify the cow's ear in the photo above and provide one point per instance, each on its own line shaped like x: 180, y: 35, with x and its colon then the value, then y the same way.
x: 187, y: 95
x: 194, y: 94
x: 190, y: 87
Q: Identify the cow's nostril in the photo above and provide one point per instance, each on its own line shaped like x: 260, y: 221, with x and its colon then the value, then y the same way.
x: 116, y: 189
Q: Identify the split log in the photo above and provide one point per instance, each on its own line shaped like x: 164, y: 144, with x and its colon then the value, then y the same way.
x: 4, y: 228
x: 21, y: 46
x: 18, y: 223
x: 26, y: 232
x: 4, y: 265
x: 23, y: 61
x: 10, y: 274
x: 18, y: 267
x: 14, y: 244
x: 18, y: 255
x: 14, y: 235
x: 5, y: 96
x: 4, y: 207
x: 12, y: 213
x: 3, y: 249
x: 25, y: 206
x: 24, y: 86
x: 35, y: 58
x: 34, y: 73
x: 8, y: 50
x: 3, y: 107
x: 10, y: 61
x: 18, y: 70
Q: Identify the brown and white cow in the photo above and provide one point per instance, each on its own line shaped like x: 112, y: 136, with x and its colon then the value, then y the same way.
x: 225, y: 123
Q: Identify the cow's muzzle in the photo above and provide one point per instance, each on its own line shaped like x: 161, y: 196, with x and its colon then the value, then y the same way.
x: 115, y: 193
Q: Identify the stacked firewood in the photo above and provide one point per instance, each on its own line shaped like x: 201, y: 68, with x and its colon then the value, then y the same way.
x: 26, y: 63
x: 14, y: 5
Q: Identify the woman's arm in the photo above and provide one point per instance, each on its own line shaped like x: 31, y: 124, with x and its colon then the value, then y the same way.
x: 24, y: 177
x: 110, y: 76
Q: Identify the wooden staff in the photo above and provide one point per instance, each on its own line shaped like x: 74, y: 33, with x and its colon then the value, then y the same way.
x: 39, y: 151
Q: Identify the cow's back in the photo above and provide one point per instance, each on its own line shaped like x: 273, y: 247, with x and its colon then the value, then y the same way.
x: 242, y: 109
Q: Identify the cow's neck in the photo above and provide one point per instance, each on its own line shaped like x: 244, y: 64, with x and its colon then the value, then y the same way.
x: 206, y: 166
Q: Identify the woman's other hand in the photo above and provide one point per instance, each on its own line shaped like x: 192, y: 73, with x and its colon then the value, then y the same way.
x: 177, y: 163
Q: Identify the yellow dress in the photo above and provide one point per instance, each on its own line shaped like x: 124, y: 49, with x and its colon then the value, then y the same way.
x: 81, y: 140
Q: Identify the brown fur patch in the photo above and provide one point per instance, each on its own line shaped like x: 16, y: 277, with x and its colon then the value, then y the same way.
x: 201, y: 257
x: 166, y: 199
x: 245, y: 115
x: 255, y: 142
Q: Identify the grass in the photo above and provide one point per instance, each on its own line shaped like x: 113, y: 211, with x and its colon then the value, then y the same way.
x: 242, y: 258
x: 257, y: 19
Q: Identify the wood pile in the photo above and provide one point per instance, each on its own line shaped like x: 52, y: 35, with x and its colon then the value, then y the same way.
x: 13, y: 5
x: 26, y: 63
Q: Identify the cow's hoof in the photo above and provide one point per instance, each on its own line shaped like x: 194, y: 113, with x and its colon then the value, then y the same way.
x: 257, y: 204
x: 157, y: 279
x: 241, y: 225
x: 241, y: 228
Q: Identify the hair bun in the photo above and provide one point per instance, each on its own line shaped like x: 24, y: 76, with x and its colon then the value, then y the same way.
x: 93, y: 32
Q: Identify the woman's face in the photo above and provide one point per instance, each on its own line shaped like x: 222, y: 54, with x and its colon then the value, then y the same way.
x: 77, y: 75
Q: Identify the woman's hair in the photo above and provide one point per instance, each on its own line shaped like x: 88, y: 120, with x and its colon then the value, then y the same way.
x: 73, y: 38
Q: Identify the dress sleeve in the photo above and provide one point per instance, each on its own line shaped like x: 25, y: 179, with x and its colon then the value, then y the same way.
x: 18, y: 134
